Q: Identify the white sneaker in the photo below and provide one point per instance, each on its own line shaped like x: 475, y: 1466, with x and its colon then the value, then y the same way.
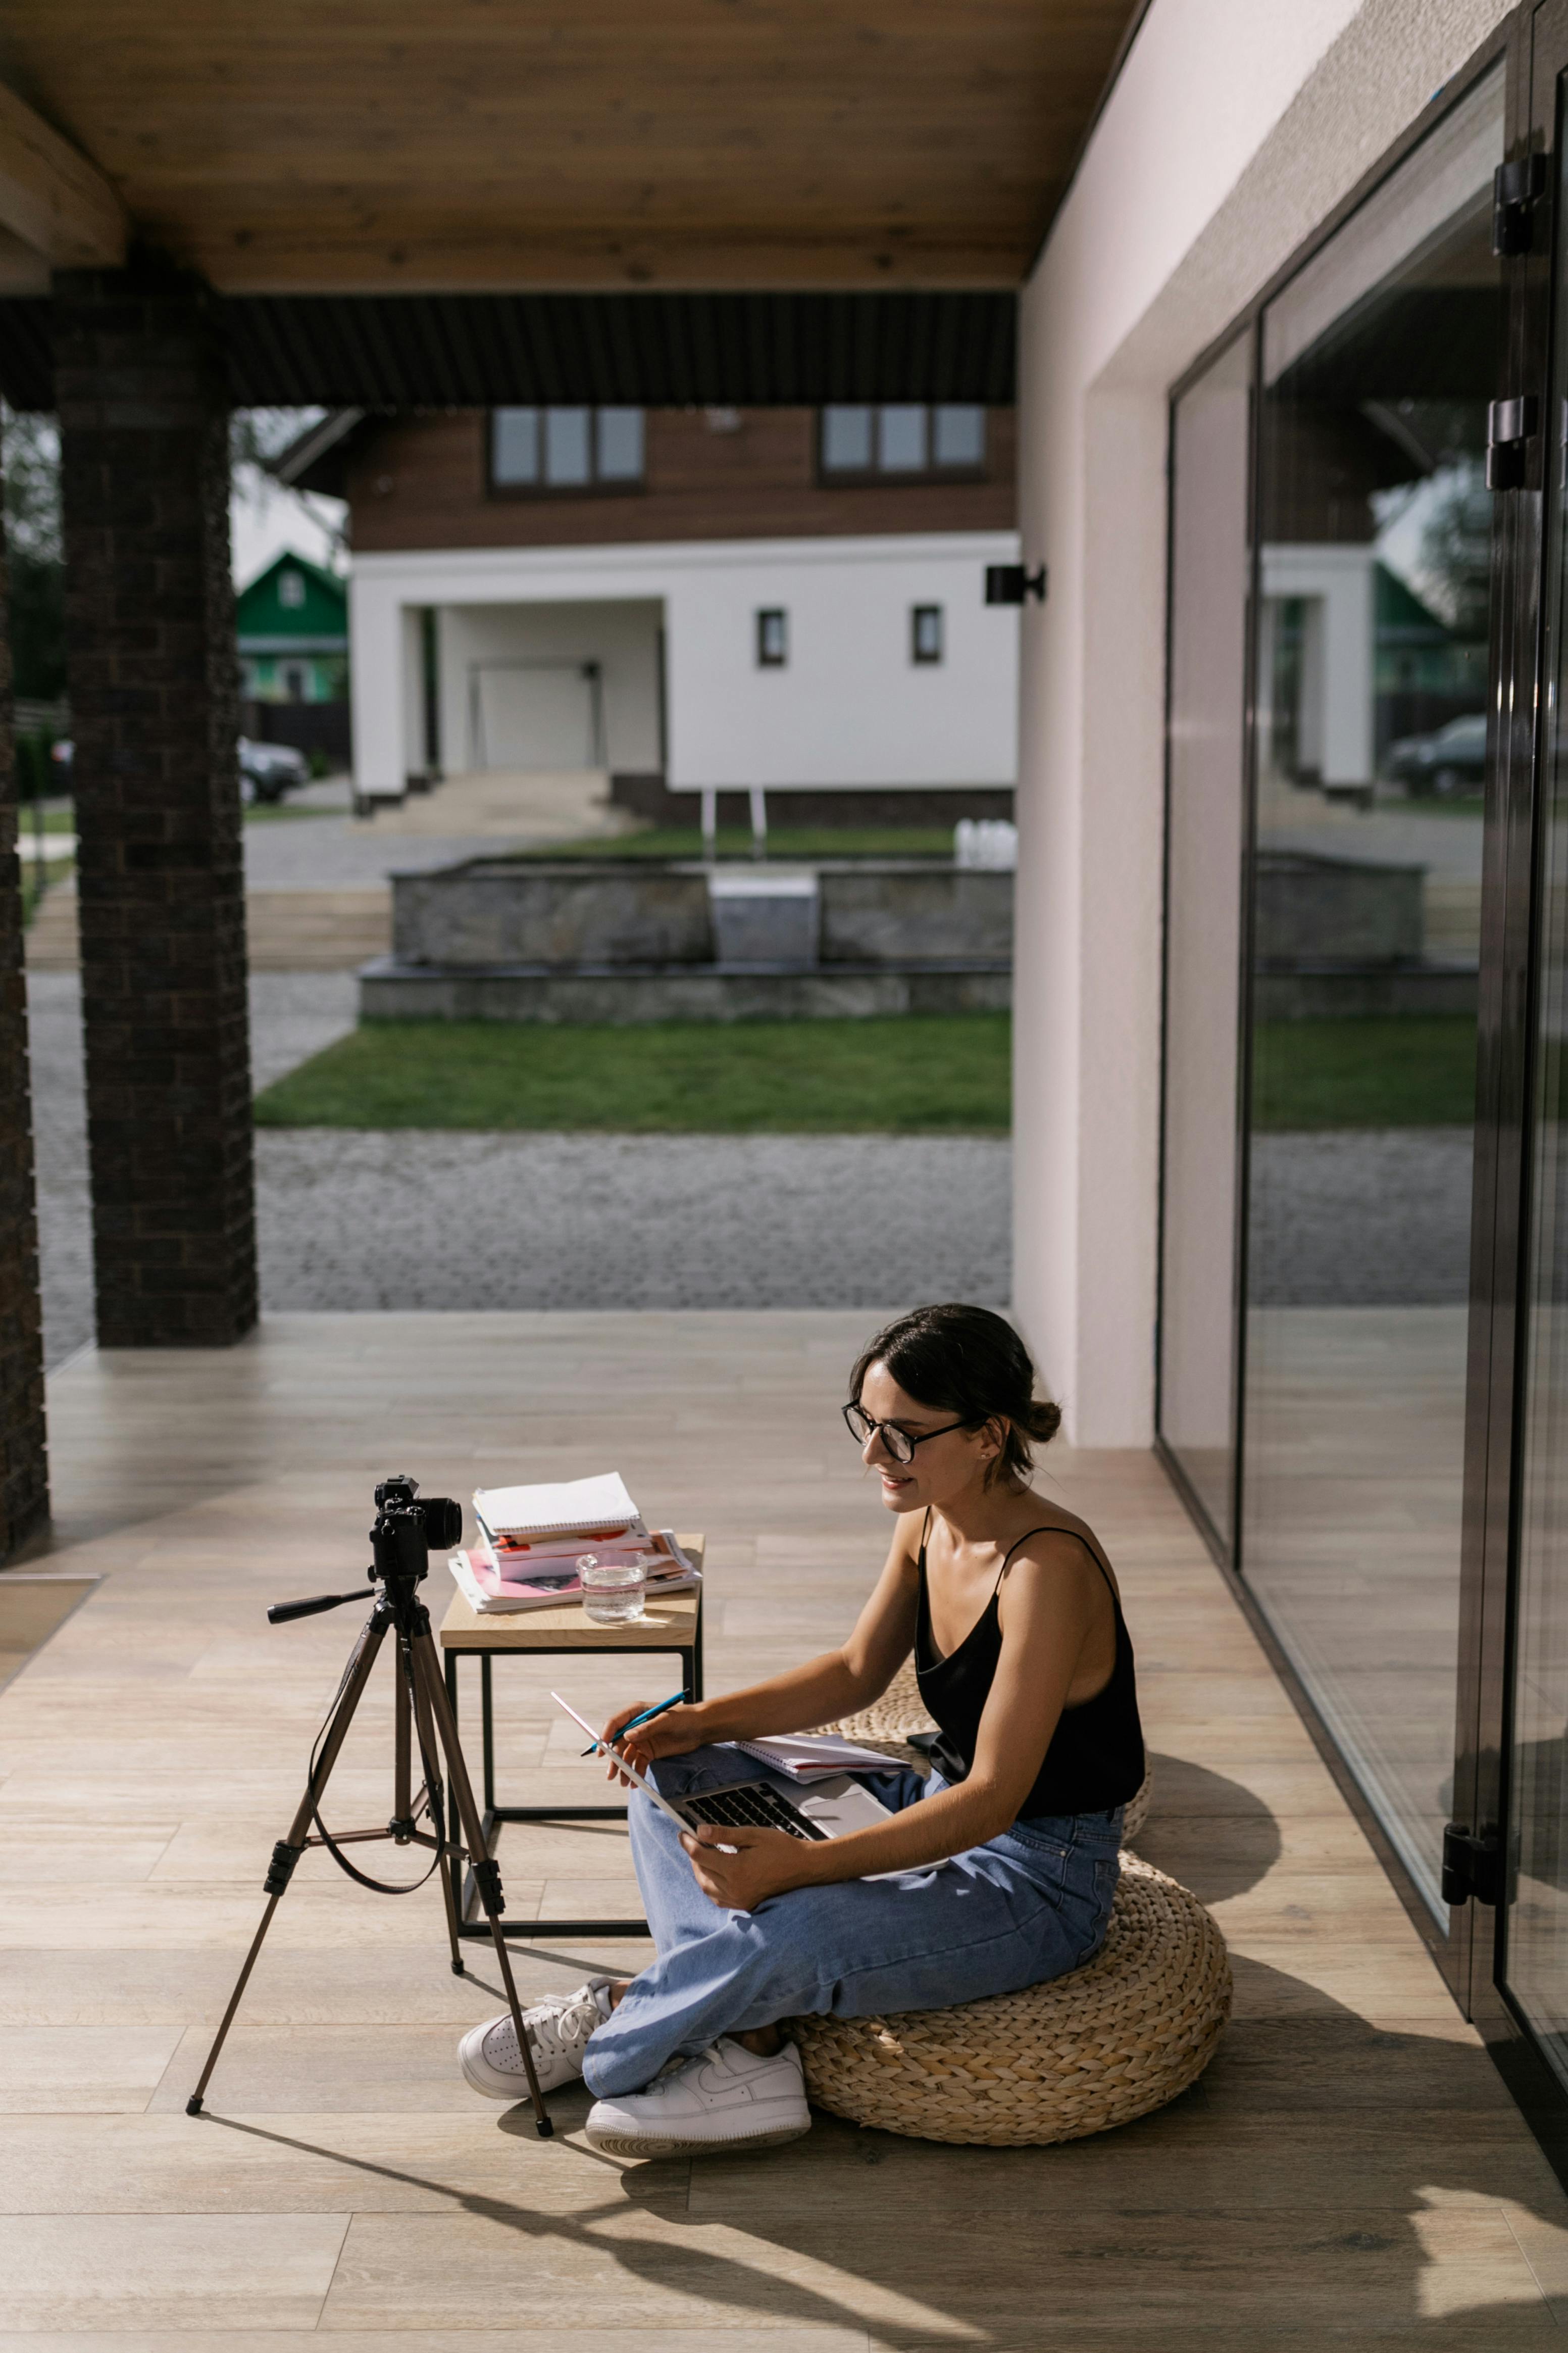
x: 726, y: 2098
x: 558, y: 2027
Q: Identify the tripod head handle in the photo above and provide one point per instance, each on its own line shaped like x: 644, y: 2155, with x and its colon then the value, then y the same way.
x: 281, y: 1612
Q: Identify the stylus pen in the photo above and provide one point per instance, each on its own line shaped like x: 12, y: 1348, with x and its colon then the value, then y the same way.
x: 646, y: 1717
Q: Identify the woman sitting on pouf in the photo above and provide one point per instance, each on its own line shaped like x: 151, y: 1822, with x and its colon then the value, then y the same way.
x: 1002, y: 1863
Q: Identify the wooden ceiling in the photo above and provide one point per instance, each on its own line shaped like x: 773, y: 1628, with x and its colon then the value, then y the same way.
x: 372, y: 146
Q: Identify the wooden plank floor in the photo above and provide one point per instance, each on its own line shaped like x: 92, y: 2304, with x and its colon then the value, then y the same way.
x: 1349, y: 2173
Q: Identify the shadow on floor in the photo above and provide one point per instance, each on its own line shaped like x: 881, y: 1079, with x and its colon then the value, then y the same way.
x: 1206, y: 1831
x: 1327, y: 2178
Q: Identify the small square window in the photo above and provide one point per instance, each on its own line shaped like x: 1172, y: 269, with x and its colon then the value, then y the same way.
x: 959, y: 436
x: 291, y: 589
x: 925, y: 633
x: 772, y: 639
x: 902, y: 440
x: 620, y: 445
x: 846, y: 440
x: 566, y: 459
x: 515, y: 445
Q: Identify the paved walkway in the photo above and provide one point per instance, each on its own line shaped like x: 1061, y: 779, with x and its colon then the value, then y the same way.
x: 467, y: 817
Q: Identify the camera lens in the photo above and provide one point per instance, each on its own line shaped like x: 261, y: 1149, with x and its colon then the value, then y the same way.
x: 443, y: 1521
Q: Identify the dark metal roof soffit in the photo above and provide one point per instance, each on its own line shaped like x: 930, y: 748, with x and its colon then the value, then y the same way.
x: 652, y: 350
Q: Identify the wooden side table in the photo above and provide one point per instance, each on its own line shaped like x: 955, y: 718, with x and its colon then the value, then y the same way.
x: 673, y: 1623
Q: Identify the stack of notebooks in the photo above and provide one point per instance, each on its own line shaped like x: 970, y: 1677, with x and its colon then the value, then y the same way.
x: 532, y: 1538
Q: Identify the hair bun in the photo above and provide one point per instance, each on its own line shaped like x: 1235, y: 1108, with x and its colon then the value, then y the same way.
x: 1043, y: 1420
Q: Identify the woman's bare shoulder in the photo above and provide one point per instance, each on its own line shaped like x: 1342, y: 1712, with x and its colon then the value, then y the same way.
x: 1062, y: 1542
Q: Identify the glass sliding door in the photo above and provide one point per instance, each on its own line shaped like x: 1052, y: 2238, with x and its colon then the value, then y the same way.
x: 1210, y: 564
x: 1373, y: 529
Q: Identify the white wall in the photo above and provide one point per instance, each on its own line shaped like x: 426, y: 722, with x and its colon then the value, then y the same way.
x: 622, y: 637
x: 849, y: 711
x: 1233, y: 128
x: 1335, y: 716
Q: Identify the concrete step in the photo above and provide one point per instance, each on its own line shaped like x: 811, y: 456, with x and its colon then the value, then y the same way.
x: 288, y: 930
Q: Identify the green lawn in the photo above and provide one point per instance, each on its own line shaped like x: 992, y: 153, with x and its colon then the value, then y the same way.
x: 930, y: 1073
x: 945, y: 1074
x: 1401, y: 1073
x: 58, y: 816
x: 735, y: 841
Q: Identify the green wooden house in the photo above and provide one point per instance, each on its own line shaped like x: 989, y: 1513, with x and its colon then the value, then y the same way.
x: 293, y: 625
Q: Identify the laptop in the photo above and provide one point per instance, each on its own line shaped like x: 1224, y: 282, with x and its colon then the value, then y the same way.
x: 825, y: 1811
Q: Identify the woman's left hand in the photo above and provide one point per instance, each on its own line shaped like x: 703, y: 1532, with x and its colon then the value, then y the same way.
x: 767, y: 1863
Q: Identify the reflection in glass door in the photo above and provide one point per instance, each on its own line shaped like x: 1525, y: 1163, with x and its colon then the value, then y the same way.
x: 1205, y: 807
x: 1535, y: 1969
x: 1378, y: 362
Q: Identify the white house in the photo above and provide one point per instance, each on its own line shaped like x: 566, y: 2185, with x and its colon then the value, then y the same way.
x: 690, y: 600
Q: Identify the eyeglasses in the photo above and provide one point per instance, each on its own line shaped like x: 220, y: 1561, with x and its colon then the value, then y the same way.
x: 898, y: 1442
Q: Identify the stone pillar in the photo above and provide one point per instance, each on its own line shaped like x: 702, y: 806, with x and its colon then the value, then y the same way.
x: 154, y: 681
x: 23, y: 1469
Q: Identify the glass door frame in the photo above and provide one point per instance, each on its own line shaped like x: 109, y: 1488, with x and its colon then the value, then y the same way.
x: 1501, y: 1213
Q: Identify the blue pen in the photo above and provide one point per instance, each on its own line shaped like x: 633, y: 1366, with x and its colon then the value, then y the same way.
x: 646, y: 1717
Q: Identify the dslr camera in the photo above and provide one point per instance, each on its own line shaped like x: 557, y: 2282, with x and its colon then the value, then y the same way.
x: 407, y: 1528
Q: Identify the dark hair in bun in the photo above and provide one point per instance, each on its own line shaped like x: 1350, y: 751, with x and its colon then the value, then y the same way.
x: 968, y: 1362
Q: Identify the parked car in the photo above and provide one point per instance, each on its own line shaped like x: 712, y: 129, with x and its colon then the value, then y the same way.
x: 1443, y: 763
x: 267, y: 771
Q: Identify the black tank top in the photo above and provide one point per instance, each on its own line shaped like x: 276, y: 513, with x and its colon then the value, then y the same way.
x: 1095, y: 1760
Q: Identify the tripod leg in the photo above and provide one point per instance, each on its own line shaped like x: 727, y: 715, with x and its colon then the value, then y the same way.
x: 427, y: 1673
x: 436, y: 1798
x: 287, y: 1853
x: 402, y: 1767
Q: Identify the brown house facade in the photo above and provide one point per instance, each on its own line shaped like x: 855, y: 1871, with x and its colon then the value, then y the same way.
x: 429, y: 481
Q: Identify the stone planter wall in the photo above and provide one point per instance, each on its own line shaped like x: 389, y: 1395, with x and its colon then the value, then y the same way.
x: 593, y: 913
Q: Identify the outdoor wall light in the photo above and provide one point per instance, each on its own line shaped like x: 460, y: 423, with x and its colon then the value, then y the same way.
x: 1014, y: 584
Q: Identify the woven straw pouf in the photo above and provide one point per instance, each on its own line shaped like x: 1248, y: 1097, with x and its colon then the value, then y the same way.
x: 1115, y: 2038
x: 889, y: 1721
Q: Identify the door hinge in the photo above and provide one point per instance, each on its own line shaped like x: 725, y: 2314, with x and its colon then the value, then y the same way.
x: 1512, y: 425
x: 1516, y: 189
x: 1472, y: 1865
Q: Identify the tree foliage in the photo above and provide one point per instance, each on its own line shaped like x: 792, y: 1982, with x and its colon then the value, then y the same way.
x: 1455, y: 552
x: 30, y: 453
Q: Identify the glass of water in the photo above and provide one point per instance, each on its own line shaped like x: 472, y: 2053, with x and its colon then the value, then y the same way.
x: 612, y: 1591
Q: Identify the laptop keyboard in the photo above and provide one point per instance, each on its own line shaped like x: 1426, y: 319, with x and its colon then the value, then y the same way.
x: 755, y: 1806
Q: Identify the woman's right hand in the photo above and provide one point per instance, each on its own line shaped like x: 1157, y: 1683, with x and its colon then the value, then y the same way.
x: 669, y: 1735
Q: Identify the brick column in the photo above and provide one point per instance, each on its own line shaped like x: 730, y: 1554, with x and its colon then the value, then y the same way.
x: 143, y: 412
x: 23, y: 1468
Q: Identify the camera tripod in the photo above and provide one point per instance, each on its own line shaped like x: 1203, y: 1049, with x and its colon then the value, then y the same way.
x: 423, y: 1717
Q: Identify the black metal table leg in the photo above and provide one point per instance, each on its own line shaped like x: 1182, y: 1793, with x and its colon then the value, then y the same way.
x: 494, y: 1815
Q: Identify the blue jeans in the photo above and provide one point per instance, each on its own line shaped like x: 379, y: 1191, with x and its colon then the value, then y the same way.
x: 1028, y: 1905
